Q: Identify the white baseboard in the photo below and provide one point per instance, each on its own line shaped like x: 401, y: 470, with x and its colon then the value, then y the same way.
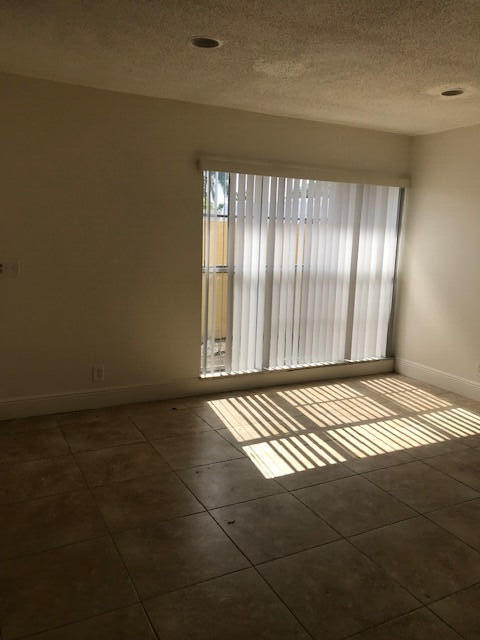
x: 442, y: 379
x: 20, y: 407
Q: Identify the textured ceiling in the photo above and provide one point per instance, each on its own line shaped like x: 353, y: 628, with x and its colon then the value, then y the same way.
x: 371, y: 63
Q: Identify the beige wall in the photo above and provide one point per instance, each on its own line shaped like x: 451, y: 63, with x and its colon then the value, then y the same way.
x: 439, y: 294
x: 101, y: 205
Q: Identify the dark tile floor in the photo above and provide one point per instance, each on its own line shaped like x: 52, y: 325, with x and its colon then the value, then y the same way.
x: 344, y: 509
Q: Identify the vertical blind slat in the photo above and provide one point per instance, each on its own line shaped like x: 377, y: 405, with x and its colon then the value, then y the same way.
x: 306, y: 275
x: 318, y: 346
x: 277, y: 266
x: 314, y: 268
x: 299, y: 270
x: 238, y: 273
x: 291, y: 226
x: 270, y: 206
x: 231, y: 222
x: 388, y: 271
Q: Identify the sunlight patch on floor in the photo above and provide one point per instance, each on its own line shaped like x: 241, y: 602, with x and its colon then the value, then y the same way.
x: 255, y: 416
x: 388, y: 385
x: 406, y: 395
x: 289, y: 455
x: 310, y: 427
x: 322, y: 393
x: 419, y: 401
x: 307, y: 451
x: 340, y: 412
x: 457, y: 421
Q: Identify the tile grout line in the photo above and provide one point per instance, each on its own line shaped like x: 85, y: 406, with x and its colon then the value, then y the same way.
x: 31, y: 554
x: 348, y: 540
x: 420, y: 513
x: 371, y: 560
x: 79, y: 621
x: 359, y: 633
x: 425, y: 514
x: 122, y: 560
x: 236, y: 546
x: 110, y: 533
x: 263, y: 579
x: 341, y: 537
x: 246, y: 558
x: 449, y: 475
x: 451, y: 506
x: 421, y: 605
x: 49, y: 495
x: 426, y: 604
x: 445, y: 622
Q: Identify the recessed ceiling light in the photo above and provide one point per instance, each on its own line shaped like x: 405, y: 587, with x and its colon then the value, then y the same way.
x: 205, y: 42
x: 453, y: 92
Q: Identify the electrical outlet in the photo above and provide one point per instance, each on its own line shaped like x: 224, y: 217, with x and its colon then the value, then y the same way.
x: 98, y: 372
x: 9, y: 268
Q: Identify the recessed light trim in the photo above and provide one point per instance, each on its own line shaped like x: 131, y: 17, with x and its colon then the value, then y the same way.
x: 205, y: 42
x: 453, y: 92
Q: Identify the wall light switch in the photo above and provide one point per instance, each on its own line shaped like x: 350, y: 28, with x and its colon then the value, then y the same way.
x: 9, y: 268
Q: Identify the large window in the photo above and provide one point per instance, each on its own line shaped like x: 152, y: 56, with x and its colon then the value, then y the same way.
x: 296, y: 272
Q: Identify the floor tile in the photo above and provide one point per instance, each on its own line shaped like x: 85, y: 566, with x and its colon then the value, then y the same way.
x: 253, y: 417
x: 318, y: 392
x: 418, y: 400
x: 120, y: 463
x: 170, y: 423
x: 38, y: 478
x: 309, y: 477
x: 230, y: 437
x: 45, y: 523
x: 473, y: 441
x: 89, y: 436
x: 147, y: 500
x: 345, y: 412
x: 461, y: 611
x: 27, y: 425
x: 37, y: 444
x: 427, y: 560
x: 211, y: 417
x: 177, y: 553
x: 60, y: 586
x: 463, y: 520
x: 129, y: 623
x: 459, y: 400
x: 420, y: 486
x: 326, y: 589
x: 239, y: 606
x: 196, y: 449
x: 90, y: 415
x: 160, y: 406
x: 353, y: 505
x: 273, y: 527
x: 419, y: 384
x: 192, y: 565
x: 386, y: 384
x: 417, y: 625
x: 228, y: 483
x: 464, y: 466
x: 381, y: 461
x: 426, y: 451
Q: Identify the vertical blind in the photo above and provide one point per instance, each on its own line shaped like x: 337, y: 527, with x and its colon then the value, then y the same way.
x: 296, y: 272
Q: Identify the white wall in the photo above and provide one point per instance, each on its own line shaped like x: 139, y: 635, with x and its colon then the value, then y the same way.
x: 438, y: 318
x: 101, y: 205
